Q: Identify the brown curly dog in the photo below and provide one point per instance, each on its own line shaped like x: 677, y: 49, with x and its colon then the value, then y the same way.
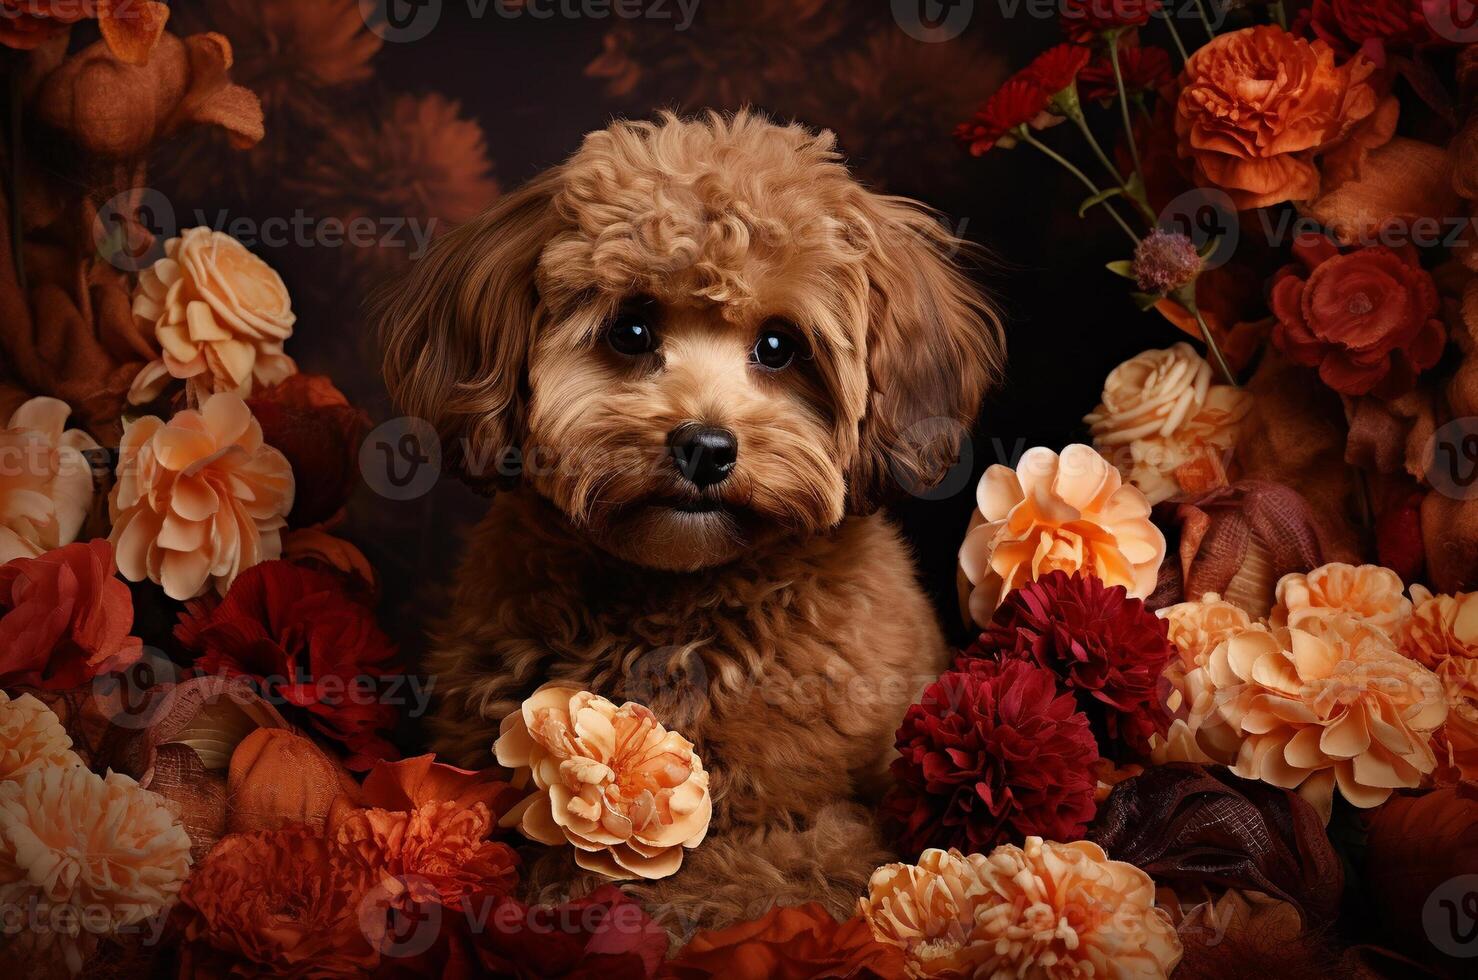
x: 706, y: 356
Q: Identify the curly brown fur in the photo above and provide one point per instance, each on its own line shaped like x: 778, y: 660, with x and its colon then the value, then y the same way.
x: 781, y: 629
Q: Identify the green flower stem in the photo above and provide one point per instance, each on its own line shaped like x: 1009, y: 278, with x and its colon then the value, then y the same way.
x: 1024, y: 133
x: 1186, y: 296
x: 1205, y: 20
x: 1175, y: 36
x: 1124, y: 106
x: 1280, y: 15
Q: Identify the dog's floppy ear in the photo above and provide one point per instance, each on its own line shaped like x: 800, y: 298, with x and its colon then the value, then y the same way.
x: 935, y: 345
x: 457, y: 328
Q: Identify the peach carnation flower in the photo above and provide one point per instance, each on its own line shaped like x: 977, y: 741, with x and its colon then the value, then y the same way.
x: 1258, y: 105
x: 198, y: 498
x: 1197, y: 732
x: 45, y: 480
x: 90, y: 854
x: 220, y: 313
x: 1071, y: 513
x: 1165, y: 425
x: 1041, y: 910
x: 627, y: 793
x: 1331, y: 702
x: 1368, y: 593
x: 1442, y: 635
x: 31, y: 738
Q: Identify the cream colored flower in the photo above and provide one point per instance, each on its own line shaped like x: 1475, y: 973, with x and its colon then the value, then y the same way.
x: 1072, y: 513
x: 86, y: 856
x: 1332, y: 702
x: 31, y: 737
x: 1442, y: 635
x: 220, y: 313
x: 1366, y: 592
x: 627, y: 793
x: 45, y: 480
x: 1047, y: 910
x: 1197, y: 732
x: 928, y: 910
x: 199, y: 498
x: 1164, y: 424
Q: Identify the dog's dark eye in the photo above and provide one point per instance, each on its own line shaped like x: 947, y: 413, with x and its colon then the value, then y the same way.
x: 775, y: 350
x: 630, y: 334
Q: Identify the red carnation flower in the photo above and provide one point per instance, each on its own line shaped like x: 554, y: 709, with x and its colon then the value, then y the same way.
x: 1017, y: 103
x: 1057, y: 68
x: 993, y: 752
x: 315, y: 427
x: 64, y: 618
x: 1145, y: 69
x: 1085, y: 20
x: 1368, y: 319
x: 310, y: 645
x: 1107, y: 648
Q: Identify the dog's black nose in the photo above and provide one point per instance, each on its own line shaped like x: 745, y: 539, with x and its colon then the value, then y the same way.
x: 704, y: 454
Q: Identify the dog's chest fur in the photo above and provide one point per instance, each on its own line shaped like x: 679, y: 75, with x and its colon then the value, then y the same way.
x: 789, y: 670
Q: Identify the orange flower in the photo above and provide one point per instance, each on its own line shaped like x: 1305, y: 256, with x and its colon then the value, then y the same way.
x: 1442, y: 635
x: 423, y: 829
x: 31, y: 738
x: 91, y: 855
x: 131, y: 27
x: 802, y: 943
x: 282, y: 903
x: 627, y: 793
x: 436, y: 853
x: 198, y: 499
x: 1330, y: 703
x: 1197, y: 732
x: 45, y: 480
x: 1369, y: 593
x: 1070, y: 513
x: 1041, y: 910
x: 1257, y: 105
x: 220, y: 313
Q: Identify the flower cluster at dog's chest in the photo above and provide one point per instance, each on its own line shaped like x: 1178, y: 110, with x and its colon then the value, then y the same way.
x: 627, y: 793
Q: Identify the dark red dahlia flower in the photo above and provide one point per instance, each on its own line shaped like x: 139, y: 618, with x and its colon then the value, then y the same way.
x: 1349, y: 25
x: 315, y: 427
x: 992, y: 753
x: 1145, y: 69
x: 1107, y: 648
x: 1368, y: 319
x: 1085, y: 20
x: 1017, y: 103
x: 1058, y: 67
x: 309, y: 644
